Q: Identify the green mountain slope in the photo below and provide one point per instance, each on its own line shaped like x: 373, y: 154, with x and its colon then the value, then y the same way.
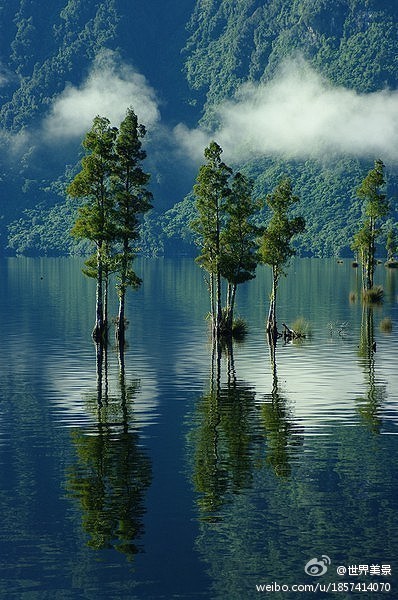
x: 46, y: 48
x: 43, y: 49
x: 352, y: 43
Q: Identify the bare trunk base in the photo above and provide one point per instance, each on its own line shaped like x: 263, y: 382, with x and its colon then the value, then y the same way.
x: 100, y: 333
x: 272, y: 329
x: 121, y: 323
x: 120, y: 334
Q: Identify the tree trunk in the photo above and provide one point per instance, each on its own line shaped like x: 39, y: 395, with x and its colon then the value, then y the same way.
x: 121, y: 320
x: 105, y: 307
x: 99, y: 348
x: 230, y: 364
x: 106, y: 379
x: 372, y: 255
x: 370, y: 259
x: 218, y: 304
x: 229, y: 319
x: 121, y: 323
x: 233, y: 296
x: 98, y: 331
x: 274, y: 370
x: 271, y: 313
x: 363, y: 269
x: 215, y: 375
x: 121, y: 362
x: 212, y: 302
x: 272, y: 329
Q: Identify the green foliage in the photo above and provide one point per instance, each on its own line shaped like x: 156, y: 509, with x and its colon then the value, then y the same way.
x: 376, y: 206
x: 373, y: 295
x: 113, y: 185
x: 362, y: 238
x: 391, y: 242
x: 276, y: 248
x: 386, y: 325
x: 354, y: 43
x: 376, y: 203
x: 53, y: 44
x: 239, y: 236
x: 96, y: 216
x: 211, y: 191
x: 301, y: 326
x: 226, y: 235
x: 239, y: 328
x: 328, y: 202
x: 110, y: 474
x: 176, y: 222
x: 222, y: 441
x: 46, y: 231
x: 131, y: 197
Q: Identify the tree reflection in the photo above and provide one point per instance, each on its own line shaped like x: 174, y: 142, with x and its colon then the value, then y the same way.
x: 111, y: 473
x: 391, y: 283
x: 223, y: 438
x: 283, y: 435
x: 369, y: 406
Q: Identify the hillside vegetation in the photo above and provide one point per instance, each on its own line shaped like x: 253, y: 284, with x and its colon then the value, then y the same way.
x: 352, y: 43
x: 195, y: 55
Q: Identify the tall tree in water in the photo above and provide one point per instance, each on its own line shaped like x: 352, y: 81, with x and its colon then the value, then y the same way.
x: 132, y: 201
x: 95, y: 221
x: 211, y: 192
x: 276, y: 244
x: 239, y: 256
x: 376, y: 206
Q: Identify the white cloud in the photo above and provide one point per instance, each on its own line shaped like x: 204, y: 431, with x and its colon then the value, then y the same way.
x: 300, y: 114
x: 109, y: 90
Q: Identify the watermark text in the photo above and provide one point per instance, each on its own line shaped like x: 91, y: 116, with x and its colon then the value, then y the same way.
x: 331, y: 587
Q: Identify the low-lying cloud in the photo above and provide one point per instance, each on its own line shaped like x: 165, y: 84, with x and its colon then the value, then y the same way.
x: 299, y: 114
x: 110, y: 88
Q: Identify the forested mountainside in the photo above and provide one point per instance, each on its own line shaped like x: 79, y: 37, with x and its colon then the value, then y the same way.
x: 183, y: 61
x: 81, y: 50
x: 352, y: 42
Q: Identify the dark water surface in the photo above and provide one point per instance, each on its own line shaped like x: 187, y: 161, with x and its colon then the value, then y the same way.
x: 198, y: 476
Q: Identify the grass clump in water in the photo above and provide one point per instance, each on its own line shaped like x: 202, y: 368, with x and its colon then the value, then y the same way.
x: 386, y: 325
x: 239, y: 328
x: 302, y: 327
x: 374, y: 295
x: 353, y: 297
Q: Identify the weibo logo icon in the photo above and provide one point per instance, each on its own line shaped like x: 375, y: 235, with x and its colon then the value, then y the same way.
x: 317, y: 567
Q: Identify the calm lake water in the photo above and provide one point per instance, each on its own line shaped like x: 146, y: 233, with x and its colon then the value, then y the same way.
x: 198, y: 476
